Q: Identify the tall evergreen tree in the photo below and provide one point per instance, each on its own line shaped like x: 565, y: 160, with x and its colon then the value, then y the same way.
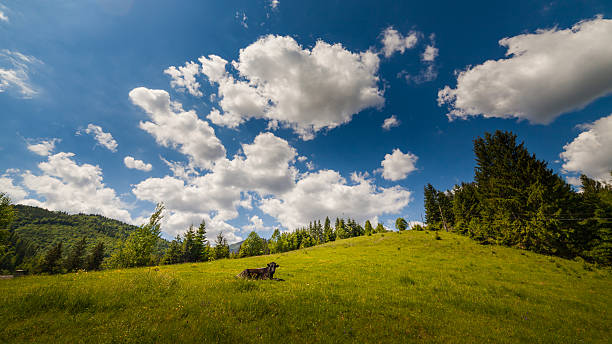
x: 202, y: 245
x: 75, y: 260
x: 94, y: 260
x: 221, y: 248
x: 328, y: 232
x: 174, y: 254
x: 52, y: 259
x: 432, y: 213
x: 368, y: 228
x: 380, y: 228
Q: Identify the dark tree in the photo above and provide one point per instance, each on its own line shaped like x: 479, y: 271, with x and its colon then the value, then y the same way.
x: 94, y: 260
x: 75, y: 258
x: 401, y: 224
x: 52, y: 259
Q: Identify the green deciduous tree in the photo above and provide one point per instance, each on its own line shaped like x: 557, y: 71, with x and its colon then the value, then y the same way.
x: 401, y: 224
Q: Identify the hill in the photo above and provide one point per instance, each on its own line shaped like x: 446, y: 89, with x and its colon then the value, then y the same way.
x: 45, y: 228
x: 235, y: 247
x: 389, y: 287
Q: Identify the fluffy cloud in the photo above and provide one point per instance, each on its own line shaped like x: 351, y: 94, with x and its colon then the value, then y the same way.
x: 3, y: 17
x: 394, y: 41
x: 326, y: 193
x: 104, y: 139
x: 171, y: 126
x: 256, y: 224
x: 183, y: 78
x: 318, y: 88
x: 397, y: 165
x: 265, y: 167
x: 68, y: 186
x: 43, y: 148
x: 591, y: 151
x: 274, y: 3
x: 130, y: 162
x: 15, y: 192
x: 390, y: 123
x: 430, y: 53
x: 15, y: 70
x: 546, y: 74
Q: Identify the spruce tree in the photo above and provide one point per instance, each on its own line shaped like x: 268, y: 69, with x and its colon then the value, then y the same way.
x: 368, y: 228
x: 52, y: 259
x: 75, y: 261
x: 94, y: 260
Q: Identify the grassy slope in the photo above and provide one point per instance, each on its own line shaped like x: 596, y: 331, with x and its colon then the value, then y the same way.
x: 385, y: 288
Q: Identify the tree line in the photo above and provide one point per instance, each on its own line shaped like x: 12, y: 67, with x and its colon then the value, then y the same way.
x: 516, y: 200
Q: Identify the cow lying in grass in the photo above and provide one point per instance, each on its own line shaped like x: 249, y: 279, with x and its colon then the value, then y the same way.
x: 261, y: 273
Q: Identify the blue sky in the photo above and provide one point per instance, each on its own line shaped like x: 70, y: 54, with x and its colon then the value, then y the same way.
x: 258, y: 114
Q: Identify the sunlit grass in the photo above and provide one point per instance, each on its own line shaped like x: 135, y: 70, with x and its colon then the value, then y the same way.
x: 385, y: 288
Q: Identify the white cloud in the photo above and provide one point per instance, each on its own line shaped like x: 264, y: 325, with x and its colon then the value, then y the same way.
x: 274, y: 3
x: 304, y: 89
x: 430, y: 53
x: 15, y: 70
x: 265, y: 168
x: 391, y: 122
x: 130, y: 162
x: 171, y: 126
x: 590, y: 152
x: 74, y: 188
x: 545, y: 74
x: 44, y: 147
x: 397, y: 165
x: 15, y: 192
x: 183, y: 78
x: 3, y: 17
x: 256, y: 224
x: 394, y: 41
x: 302, y: 158
x: 326, y: 193
x: 104, y: 139
x: 310, y: 165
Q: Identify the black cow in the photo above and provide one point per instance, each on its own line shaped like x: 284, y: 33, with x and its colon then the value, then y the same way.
x: 261, y: 273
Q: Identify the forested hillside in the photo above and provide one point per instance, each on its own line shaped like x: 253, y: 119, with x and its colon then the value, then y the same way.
x: 45, y: 228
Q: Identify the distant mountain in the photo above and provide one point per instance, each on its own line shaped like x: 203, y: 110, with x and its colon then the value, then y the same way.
x: 44, y: 228
x: 235, y: 247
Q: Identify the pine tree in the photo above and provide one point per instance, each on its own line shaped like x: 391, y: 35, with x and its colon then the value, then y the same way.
x: 51, y: 261
x: 328, y: 233
x: 75, y: 258
x: 380, y: 228
x: 174, y: 253
x: 221, y: 247
x: 94, y: 260
x: 432, y: 213
x: 368, y: 228
x: 201, y: 243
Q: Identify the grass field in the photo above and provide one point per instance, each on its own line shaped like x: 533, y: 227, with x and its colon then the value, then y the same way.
x: 389, y: 287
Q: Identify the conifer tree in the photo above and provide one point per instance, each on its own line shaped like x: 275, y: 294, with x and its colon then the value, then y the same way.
x: 75, y: 261
x: 328, y: 233
x: 51, y: 261
x: 368, y: 228
x: 221, y: 248
x: 94, y: 260
x: 380, y: 228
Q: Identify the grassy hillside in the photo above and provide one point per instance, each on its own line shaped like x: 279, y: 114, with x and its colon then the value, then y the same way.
x: 389, y: 287
x: 45, y: 228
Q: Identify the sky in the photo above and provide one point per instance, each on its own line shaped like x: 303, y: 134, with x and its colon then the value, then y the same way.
x: 259, y: 114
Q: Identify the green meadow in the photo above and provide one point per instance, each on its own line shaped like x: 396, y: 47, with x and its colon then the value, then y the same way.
x: 390, y: 287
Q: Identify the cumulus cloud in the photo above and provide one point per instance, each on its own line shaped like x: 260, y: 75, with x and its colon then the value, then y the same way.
x: 15, y: 192
x: 171, y: 126
x: 590, y: 152
x: 264, y: 167
x: 256, y: 224
x: 394, y: 41
x: 104, y: 139
x: 397, y: 165
x: 130, y: 162
x: 44, y: 147
x: 545, y: 74
x: 326, y: 193
x: 68, y: 186
x: 15, y: 70
x: 314, y: 89
x: 430, y: 53
x: 390, y: 123
x: 184, y: 78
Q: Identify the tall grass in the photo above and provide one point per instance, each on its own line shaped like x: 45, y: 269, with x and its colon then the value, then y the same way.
x: 389, y: 287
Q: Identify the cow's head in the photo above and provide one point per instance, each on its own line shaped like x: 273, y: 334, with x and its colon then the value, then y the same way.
x: 272, y: 268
